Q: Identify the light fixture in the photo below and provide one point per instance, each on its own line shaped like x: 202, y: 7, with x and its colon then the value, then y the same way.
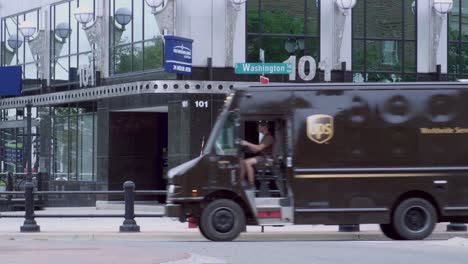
x: 154, y: 3
x: 290, y: 45
x: 27, y: 28
x: 94, y: 34
x: 84, y: 15
x: 413, y: 7
x: 442, y: 7
x: 36, y: 43
x: 14, y: 42
x: 345, y: 5
x: 62, y: 30
x: 237, y: 4
x: 300, y: 43
x: 11, y: 47
x: 164, y: 12
x: 123, y: 16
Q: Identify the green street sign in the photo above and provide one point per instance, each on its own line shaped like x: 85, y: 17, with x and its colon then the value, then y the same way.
x: 263, y: 68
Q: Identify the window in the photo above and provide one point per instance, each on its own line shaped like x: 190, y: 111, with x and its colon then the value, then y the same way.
x: 282, y: 28
x: 384, y: 40
x: 73, y: 143
x: 389, y: 52
x: 69, y: 45
x: 16, y: 49
x: 136, y: 43
x: 13, y: 139
x: 458, y: 40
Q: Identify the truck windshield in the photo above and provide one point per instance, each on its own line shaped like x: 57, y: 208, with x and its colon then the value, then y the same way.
x: 225, y: 141
x: 222, y: 138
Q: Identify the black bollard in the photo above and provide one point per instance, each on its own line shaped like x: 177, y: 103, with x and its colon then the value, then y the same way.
x: 29, y: 224
x: 10, y: 185
x: 456, y: 227
x: 348, y: 228
x: 129, y: 224
x: 39, y: 186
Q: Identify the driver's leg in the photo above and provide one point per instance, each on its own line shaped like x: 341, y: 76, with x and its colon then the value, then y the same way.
x: 250, y: 163
x: 242, y: 170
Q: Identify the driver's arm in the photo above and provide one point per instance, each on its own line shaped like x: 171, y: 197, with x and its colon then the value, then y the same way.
x: 254, y: 147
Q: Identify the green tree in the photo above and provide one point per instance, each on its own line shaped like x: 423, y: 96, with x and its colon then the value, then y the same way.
x: 272, y: 22
x: 149, y: 57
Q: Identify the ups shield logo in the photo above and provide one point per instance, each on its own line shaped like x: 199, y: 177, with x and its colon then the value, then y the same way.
x: 320, y: 128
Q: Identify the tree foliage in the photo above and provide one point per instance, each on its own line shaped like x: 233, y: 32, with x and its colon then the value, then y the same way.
x: 272, y: 22
x: 149, y: 57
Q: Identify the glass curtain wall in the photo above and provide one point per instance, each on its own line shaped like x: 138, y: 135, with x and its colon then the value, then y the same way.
x: 458, y: 40
x: 283, y: 28
x: 384, y: 41
x: 16, y: 50
x: 69, y: 45
x: 136, y: 43
x: 73, y: 143
x: 13, y: 156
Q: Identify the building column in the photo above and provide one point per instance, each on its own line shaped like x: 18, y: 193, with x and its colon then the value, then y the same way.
x: 335, y: 37
x: 431, y: 38
x: 103, y: 120
x: 104, y: 10
x: 190, y: 123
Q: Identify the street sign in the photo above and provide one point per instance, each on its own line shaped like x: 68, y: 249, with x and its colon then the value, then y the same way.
x: 263, y: 68
x: 12, y: 83
x: 178, y: 55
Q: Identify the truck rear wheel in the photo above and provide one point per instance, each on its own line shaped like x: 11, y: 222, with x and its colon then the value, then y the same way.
x: 222, y: 220
x: 414, y: 219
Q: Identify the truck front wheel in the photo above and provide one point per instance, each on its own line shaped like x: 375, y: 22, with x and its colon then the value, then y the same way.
x: 414, y: 219
x: 222, y: 220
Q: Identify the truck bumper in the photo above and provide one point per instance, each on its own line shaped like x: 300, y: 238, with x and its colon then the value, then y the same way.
x: 173, y: 210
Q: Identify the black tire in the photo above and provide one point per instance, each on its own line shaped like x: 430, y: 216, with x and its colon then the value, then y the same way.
x: 389, y: 231
x: 202, y: 231
x: 414, y: 219
x: 222, y: 220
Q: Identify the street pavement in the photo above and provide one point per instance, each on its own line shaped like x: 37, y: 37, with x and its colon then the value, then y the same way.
x: 162, y: 229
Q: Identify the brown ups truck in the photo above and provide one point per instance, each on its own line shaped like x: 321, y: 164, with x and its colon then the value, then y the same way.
x: 388, y: 154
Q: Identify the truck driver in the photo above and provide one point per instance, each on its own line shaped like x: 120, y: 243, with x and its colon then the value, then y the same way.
x: 263, y: 150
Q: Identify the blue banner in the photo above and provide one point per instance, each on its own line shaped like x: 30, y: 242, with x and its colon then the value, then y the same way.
x: 178, y: 55
x: 11, y: 82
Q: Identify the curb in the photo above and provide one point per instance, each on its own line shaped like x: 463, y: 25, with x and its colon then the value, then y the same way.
x: 196, y: 236
x: 197, y: 259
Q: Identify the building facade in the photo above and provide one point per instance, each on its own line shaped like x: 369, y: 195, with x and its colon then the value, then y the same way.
x: 105, y: 111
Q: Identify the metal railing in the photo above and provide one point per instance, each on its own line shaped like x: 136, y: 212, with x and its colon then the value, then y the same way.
x: 129, y: 193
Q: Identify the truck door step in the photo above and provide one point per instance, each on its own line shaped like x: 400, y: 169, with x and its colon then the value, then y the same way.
x: 270, y: 211
x: 273, y: 222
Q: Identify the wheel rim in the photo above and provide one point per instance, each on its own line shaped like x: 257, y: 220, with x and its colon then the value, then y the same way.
x: 416, y: 218
x: 223, y: 220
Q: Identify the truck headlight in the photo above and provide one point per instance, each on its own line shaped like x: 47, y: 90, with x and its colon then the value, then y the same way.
x: 171, y: 188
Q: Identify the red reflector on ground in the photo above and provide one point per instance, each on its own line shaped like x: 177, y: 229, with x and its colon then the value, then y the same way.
x: 269, y: 214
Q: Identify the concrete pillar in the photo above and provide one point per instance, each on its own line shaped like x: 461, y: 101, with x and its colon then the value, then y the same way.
x: 335, y: 36
x: 432, y: 38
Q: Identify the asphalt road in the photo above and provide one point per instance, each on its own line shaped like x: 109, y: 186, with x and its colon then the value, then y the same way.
x: 453, y: 251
